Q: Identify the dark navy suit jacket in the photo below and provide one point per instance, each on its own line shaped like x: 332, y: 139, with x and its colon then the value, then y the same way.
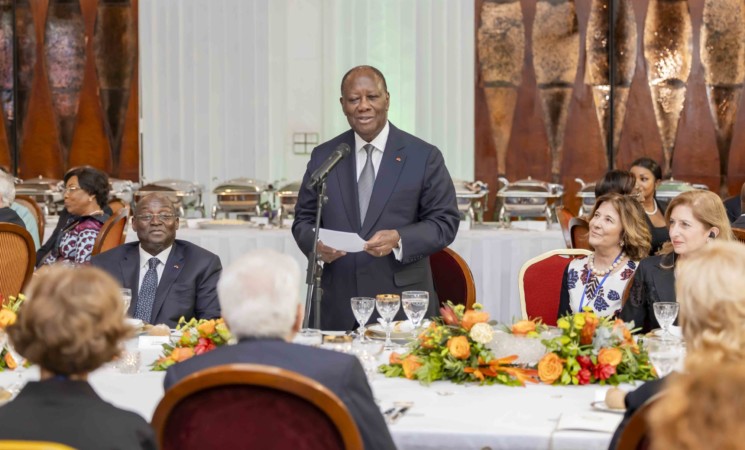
x: 342, y: 374
x: 413, y: 193
x: 188, y: 286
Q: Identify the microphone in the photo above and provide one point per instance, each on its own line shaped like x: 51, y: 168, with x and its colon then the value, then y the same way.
x: 320, y: 174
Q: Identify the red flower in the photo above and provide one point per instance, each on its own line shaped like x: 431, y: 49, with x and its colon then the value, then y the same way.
x: 604, y: 371
x: 449, y: 316
x: 585, y: 362
x: 584, y: 376
x: 204, y: 345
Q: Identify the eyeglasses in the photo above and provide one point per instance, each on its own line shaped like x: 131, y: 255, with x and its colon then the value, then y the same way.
x: 71, y: 189
x: 162, y: 217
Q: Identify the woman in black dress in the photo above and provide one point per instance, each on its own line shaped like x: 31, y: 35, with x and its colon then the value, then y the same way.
x: 648, y: 175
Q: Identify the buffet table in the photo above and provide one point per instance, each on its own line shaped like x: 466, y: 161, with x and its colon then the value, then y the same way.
x: 443, y: 415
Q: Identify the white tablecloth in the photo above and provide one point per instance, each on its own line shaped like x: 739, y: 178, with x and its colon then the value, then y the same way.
x: 495, y: 256
x: 444, y: 415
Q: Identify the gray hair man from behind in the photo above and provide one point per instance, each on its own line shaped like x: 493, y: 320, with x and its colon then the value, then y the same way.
x: 7, y: 189
x: 259, y: 295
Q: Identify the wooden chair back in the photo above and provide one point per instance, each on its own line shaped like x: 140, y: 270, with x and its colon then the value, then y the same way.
x: 33, y: 206
x: 116, y: 204
x: 635, y: 436
x: 17, y: 258
x: 739, y: 234
x: 540, y: 283
x: 113, y: 232
x: 231, y: 405
x: 452, y: 278
x: 33, y: 445
x: 564, y: 216
x: 579, y: 230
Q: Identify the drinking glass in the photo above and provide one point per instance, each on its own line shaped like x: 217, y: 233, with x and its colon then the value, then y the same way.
x: 388, y: 305
x: 127, y: 298
x: 362, y: 307
x: 666, y: 312
x: 415, y: 306
x: 665, y: 354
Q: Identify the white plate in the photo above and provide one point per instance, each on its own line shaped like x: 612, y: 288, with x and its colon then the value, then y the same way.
x: 601, y: 406
x: 333, y: 333
x: 136, y: 323
x: 402, y: 329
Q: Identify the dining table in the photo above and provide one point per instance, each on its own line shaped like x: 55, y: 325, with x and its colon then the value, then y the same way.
x: 442, y: 415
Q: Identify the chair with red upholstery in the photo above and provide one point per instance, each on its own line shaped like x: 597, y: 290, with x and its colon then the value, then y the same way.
x: 579, y: 230
x: 540, y: 283
x: 452, y: 278
x: 250, y: 406
x: 564, y: 216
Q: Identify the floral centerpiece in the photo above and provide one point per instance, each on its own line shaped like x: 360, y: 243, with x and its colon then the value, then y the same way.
x: 197, y: 337
x: 593, y: 349
x: 8, y: 315
x: 454, y: 347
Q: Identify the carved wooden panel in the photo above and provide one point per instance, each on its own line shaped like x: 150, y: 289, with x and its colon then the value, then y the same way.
x: 681, y: 97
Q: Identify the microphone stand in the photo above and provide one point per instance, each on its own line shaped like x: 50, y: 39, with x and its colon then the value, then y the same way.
x: 315, y: 269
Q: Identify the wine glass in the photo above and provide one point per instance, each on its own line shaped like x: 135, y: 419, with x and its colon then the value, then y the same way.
x: 415, y: 306
x: 666, y: 312
x: 362, y: 307
x: 388, y: 305
x: 126, y: 298
x: 665, y: 354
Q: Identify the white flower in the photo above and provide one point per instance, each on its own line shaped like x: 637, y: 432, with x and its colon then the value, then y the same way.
x: 482, y: 333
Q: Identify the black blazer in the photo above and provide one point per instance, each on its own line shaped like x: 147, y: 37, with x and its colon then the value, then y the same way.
x: 340, y: 373
x: 71, y: 413
x: 654, y: 282
x: 188, y: 286
x: 660, y: 235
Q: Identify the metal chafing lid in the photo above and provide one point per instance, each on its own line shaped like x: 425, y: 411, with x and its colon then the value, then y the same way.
x: 587, y: 190
x: 290, y: 189
x: 180, y: 188
x: 240, y: 185
x: 467, y: 189
x: 530, y: 188
x: 38, y: 184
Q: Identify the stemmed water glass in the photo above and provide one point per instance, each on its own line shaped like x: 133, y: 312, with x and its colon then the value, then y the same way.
x: 666, y: 312
x: 126, y: 298
x: 665, y: 354
x: 388, y: 305
x: 415, y: 306
x: 362, y: 307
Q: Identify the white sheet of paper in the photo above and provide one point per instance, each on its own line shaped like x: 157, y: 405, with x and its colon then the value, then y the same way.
x: 340, y: 240
x: 590, y: 421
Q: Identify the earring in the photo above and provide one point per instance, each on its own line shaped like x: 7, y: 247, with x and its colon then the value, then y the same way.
x: 621, y: 244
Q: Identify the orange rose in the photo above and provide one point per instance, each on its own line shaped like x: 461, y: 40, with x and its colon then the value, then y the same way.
x: 10, y: 361
x: 411, y: 364
x: 395, y: 358
x: 459, y: 347
x: 472, y: 317
x: 206, y: 328
x: 182, y: 353
x: 588, y: 331
x: 550, y: 368
x: 523, y: 327
x: 610, y: 356
x: 7, y: 318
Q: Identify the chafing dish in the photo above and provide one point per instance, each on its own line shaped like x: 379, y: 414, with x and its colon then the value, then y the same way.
x: 185, y: 195
x: 471, y: 198
x: 587, y: 194
x: 669, y: 189
x: 529, y: 198
x: 239, y: 195
x: 286, y: 200
x: 47, y: 192
x: 123, y: 189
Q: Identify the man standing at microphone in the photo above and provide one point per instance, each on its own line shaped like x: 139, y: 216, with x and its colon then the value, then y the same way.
x: 393, y: 190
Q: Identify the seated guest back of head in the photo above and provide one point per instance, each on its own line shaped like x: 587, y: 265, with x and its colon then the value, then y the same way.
x: 71, y: 324
x: 619, y: 238
x: 260, y: 304
x: 711, y: 291
x: 7, y: 195
x: 86, y: 194
x: 694, y: 218
x: 648, y: 176
x: 616, y: 182
x: 169, y: 278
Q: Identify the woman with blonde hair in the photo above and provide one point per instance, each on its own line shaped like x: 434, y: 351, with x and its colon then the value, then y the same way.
x: 694, y: 218
x: 619, y: 238
x: 71, y: 324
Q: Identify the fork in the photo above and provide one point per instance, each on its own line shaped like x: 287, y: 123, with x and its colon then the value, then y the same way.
x: 399, y: 410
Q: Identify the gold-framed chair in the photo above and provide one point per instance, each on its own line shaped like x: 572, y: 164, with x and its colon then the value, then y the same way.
x: 739, y: 234
x: 540, y: 283
x: 17, y: 258
x: 33, y: 206
x: 252, y: 406
x: 635, y: 435
x: 452, y: 278
x: 33, y: 445
x: 113, y: 232
x: 564, y: 216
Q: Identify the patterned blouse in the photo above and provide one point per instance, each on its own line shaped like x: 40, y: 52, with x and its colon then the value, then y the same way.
x: 75, y: 242
x: 604, y: 297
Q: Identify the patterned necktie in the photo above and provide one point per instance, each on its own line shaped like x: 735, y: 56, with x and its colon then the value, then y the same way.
x: 366, y: 182
x: 146, y: 297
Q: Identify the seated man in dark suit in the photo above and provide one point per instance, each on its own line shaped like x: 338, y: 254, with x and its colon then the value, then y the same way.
x: 169, y: 278
x: 259, y: 299
x: 7, y: 195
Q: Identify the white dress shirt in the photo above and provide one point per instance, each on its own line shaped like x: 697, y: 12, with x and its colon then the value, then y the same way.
x: 144, y: 266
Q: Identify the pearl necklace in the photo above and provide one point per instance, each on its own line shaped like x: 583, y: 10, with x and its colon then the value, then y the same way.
x: 600, y: 273
x: 654, y: 211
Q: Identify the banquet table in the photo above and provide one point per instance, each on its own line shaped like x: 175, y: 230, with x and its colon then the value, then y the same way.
x: 443, y: 415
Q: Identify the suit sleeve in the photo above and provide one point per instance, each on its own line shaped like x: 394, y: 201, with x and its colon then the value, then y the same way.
x: 305, y: 211
x: 207, y: 305
x: 564, y: 307
x: 438, y: 213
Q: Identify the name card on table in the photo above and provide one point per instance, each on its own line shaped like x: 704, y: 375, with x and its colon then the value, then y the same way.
x: 152, y: 342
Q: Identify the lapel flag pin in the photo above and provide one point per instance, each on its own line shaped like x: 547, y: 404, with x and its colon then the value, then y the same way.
x: 398, y: 158
x: 175, y: 266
